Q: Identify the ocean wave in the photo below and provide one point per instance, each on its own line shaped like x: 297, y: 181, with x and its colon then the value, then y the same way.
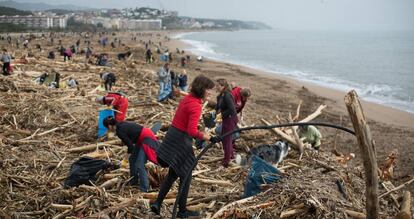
x: 181, y: 35
x: 378, y: 93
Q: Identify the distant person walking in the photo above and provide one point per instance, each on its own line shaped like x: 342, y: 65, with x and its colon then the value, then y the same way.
x: 6, y: 59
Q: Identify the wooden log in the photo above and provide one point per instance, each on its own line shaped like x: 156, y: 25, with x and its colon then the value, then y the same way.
x: 298, y: 209
x: 299, y: 142
x: 368, y: 153
x: 90, y: 147
x: 230, y: 206
x: 259, y: 206
x: 398, y: 187
x: 61, y: 207
x: 112, y: 175
x: 283, y: 135
x: 154, y: 195
x: 324, y: 165
x: 216, y: 182
x: 405, y: 212
x: 355, y: 215
x: 197, y: 207
x: 110, y: 183
x: 205, y: 199
x: 392, y: 196
x: 314, y: 114
x: 99, y: 154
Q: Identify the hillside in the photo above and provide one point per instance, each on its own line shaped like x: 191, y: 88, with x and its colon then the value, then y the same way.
x: 38, y: 6
x: 8, y: 11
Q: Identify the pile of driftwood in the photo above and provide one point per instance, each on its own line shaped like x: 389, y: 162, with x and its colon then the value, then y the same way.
x: 43, y: 131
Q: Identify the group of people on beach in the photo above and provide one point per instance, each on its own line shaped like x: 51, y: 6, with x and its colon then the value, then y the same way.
x: 175, y: 152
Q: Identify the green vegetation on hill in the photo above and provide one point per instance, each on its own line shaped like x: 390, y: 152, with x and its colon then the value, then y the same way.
x: 12, y: 11
x: 59, y: 11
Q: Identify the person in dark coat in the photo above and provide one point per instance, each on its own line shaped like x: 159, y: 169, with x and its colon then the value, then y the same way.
x: 109, y: 79
x: 176, y: 151
x: 225, y: 106
x: 142, y: 145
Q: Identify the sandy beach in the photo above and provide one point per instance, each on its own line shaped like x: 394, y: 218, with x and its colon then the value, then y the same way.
x: 65, y: 121
x: 276, y: 95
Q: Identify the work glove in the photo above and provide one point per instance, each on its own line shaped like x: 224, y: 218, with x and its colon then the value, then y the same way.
x: 124, y: 163
x: 215, y: 139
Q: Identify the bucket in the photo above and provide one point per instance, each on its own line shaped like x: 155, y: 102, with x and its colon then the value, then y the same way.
x: 102, y: 115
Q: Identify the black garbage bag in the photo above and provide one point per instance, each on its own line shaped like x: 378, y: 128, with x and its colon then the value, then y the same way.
x: 84, y: 170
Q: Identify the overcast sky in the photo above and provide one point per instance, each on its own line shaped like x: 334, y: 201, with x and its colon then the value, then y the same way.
x: 286, y: 14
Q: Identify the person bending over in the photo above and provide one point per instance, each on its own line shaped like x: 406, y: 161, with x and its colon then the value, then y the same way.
x: 142, y: 145
x: 118, y: 101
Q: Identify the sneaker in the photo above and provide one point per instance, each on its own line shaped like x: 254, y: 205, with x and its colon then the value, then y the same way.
x: 188, y: 214
x: 155, y: 208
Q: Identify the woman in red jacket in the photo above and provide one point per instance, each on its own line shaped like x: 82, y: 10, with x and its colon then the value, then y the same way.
x: 142, y: 145
x: 118, y: 101
x: 176, y: 151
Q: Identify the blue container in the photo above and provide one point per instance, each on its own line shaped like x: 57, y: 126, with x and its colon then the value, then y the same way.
x: 102, y: 115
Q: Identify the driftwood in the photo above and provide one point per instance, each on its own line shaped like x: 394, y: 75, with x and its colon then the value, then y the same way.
x: 90, y: 147
x: 221, y: 212
x: 355, y: 215
x: 298, y: 209
x: 368, y: 154
x: 397, y: 188
x: 110, y: 183
x: 405, y: 212
x: 216, y: 182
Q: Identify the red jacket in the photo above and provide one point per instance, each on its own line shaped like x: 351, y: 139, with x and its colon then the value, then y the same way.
x: 238, y: 101
x: 119, y: 102
x: 187, y: 115
x: 149, y: 142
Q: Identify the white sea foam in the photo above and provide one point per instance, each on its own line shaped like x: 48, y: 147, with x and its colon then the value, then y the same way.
x: 379, y: 93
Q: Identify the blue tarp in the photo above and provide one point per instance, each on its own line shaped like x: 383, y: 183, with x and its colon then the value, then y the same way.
x: 102, y: 115
x: 164, y: 58
x: 260, y: 172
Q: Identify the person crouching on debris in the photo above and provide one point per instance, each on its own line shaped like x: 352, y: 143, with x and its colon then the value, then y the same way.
x: 182, y: 81
x: 164, y: 80
x: 67, y: 54
x: 108, y: 80
x: 124, y: 56
x: 240, y: 98
x: 142, y: 146
x: 176, y: 150
x: 225, y: 106
x: 118, y: 101
x: 311, y: 135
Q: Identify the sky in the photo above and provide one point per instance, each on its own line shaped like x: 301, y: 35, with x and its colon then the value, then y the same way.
x: 346, y: 15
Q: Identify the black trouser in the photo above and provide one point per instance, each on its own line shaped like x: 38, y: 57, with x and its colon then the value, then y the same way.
x: 108, y: 85
x: 167, y: 184
x: 6, y: 66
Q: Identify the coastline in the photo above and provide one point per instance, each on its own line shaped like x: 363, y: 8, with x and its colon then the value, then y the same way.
x: 373, y: 111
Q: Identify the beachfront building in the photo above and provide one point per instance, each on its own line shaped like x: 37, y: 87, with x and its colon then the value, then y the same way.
x: 42, y: 22
x: 132, y: 24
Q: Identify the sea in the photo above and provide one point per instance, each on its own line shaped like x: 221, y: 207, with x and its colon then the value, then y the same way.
x: 378, y: 65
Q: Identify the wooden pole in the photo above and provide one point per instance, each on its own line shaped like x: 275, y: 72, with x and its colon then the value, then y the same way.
x: 368, y: 153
